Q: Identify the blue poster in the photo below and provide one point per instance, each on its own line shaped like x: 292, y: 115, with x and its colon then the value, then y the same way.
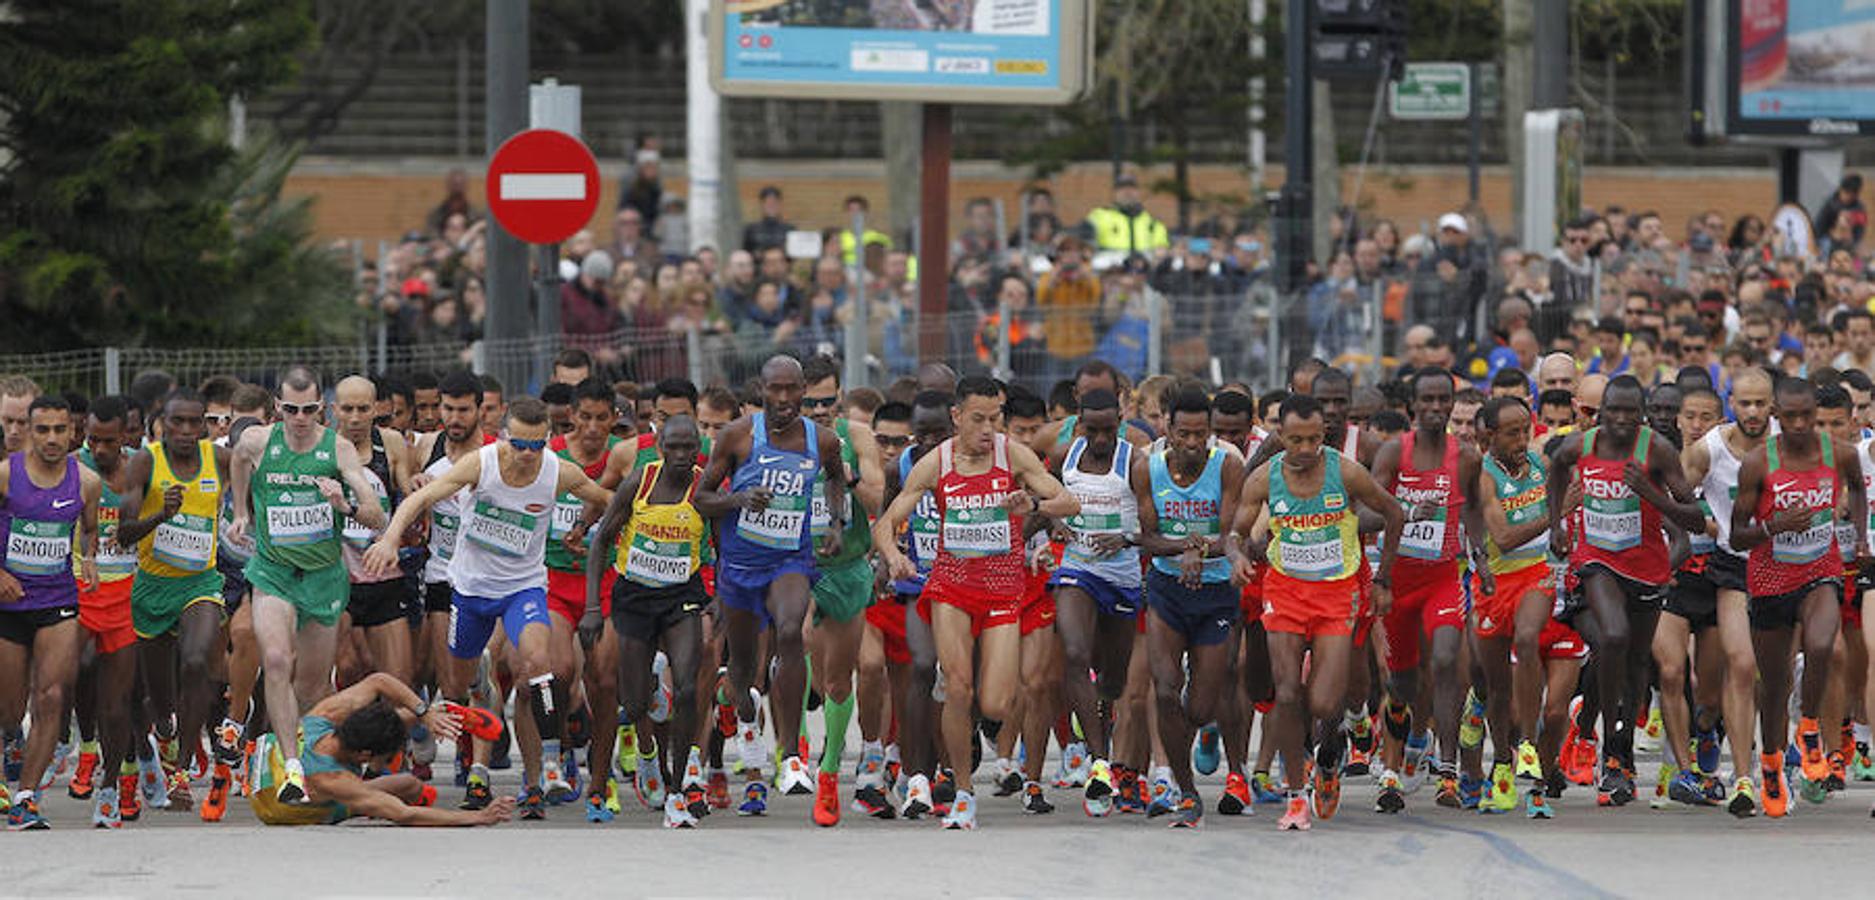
x: 1011, y: 45
x: 1807, y: 60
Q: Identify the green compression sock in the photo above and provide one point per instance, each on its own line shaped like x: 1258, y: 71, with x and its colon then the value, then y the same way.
x: 839, y: 715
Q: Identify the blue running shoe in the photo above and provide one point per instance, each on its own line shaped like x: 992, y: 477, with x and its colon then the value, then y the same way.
x: 754, y: 800
x: 14, y: 751
x: 1538, y: 805
x: 1792, y: 758
x: 1164, y: 800
x: 569, y: 769
x: 1706, y: 751
x: 531, y: 804
x: 596, y: 810
x: 1263, y: 789
x: 1686, y: 787
x: 1470, y: 792
x: 1209, y: 752
x: 24, y: 816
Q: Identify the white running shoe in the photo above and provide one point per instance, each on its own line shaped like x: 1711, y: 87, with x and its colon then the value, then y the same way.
x: 1080, y: 764
x: 963, y: 814
x: 676, y: 815
x: 871, y: 772
x: 750, y: 748
x: 918, y: 800
x: 553, y: 781
x: 795, y: 780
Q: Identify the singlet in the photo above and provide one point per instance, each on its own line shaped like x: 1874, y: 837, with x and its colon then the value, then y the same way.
x: 856, y: 541
x: 1314, y: 538
x: 445, y: 515
x: 1370, y: 542
x: 569, y: 509
x: 357, y: 538
x: 664, y: 545
x: 184, y: 545
x: 294, y: 523
x: 1866, y: 449
x: 761, y: 540
x: 313, y: 729
x: 1619, y: 530
x: 114, y: 563
x: 1191, y: 510
x: 40, y: 524
x: 503, y: 545
x: 1794, y: 560
x: 979, y: 549
x: 1433, y: 541
x: 921, y: 530
x: 1524, y: 500
x: 1719, y: 489
x: 1108, y: 506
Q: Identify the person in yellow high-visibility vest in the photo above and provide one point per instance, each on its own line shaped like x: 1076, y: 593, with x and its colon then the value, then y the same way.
x: 1126, y: 226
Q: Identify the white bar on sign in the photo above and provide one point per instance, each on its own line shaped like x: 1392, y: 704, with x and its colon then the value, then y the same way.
x: 543, y: 186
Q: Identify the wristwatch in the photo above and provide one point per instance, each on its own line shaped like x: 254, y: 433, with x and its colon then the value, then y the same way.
x: 421, y: 709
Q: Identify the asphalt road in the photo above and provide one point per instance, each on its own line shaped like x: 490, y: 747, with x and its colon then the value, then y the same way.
x: 1426, y: 851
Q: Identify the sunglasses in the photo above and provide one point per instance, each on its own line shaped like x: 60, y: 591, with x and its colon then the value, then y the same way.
x: 382, y: 421
x: 300, y: 409
x: 891, y: 441
x: 219, y: 418
x: 528, y: 446
x: 819, y: 402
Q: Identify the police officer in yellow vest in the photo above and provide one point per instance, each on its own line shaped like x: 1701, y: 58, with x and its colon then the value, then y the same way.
x: 1126, y: 226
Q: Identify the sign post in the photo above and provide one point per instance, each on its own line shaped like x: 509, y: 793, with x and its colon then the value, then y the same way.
x: 1434, y: 90
x: 543, y: 185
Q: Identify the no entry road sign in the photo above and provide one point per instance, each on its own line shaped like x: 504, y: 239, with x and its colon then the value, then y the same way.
x: 543, y: 185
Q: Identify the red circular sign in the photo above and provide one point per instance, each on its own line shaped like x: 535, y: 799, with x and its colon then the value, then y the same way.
x: 543, y: 186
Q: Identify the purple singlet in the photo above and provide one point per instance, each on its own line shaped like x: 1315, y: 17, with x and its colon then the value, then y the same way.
x: 39, y: 526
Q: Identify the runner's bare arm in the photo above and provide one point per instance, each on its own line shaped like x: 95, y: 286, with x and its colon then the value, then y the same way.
x: 871, y: 487
x: 923, y: 477
x: 130, y: 529
x: 399, y: 452
x: 1229, y: 492
x: 1055, y: 502
x: 1471, y: 475
x: 1497, y: 524
x: 1151, y: 542
x: 572, y: 480
x: 618, y: 512
x: 838, y: 478
x: 241, y: 471
x: 619, y: 463
x: 1747, y: 531
x: 91, y: 487
x: 1241, y: 544
x: 382, y: 554
x: 713, y: 499
x: 1681, y: 504
x: 1694, y: 461
x: 1849, y: 467
x: 364, y: 505
x: 1560, y: 466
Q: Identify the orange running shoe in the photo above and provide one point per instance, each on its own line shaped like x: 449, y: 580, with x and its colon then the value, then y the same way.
x: 827, y: 800
x: 83, y: 776
x: 717, y: 791
x: 476, y: 721
x: 1325, y: 795
x: 216, y: 804
x: 1578, y: 761
x: 1775, y: 794
x: 1810, y: 744
x: 129, y: 805
x: 1236, y: 797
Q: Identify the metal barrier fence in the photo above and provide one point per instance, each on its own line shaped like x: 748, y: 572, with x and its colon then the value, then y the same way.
x: 1246, y: 336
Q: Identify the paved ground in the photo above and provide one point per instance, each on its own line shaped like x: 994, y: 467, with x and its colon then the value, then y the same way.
x: 1427, y: 851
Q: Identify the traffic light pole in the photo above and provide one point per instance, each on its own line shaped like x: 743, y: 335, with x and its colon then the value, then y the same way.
x: 1296, y: 204
x: 506, y: 88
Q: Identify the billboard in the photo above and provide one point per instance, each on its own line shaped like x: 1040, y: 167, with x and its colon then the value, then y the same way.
x: 939, y: 51
x: 1801, y: 67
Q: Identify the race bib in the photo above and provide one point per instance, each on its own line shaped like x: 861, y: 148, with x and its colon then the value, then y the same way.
x: 778, y: 526
x: 113, y: 561
x: 655, y: 563
x: 1424, y: 539
x: 356, y: 535
x: 566, y: 515
x: 443, y: 528
x: 1799, y: 547
x: 1313, y: 555
x: 1845, y: 540
x: 39, y: 548
x: 184, y: 542
x: 977, y: 532
x: 299, y: 519
x: 1085, y: 527
x: 498, y: 529
x: 822, y: 515
x: 1612, y: 523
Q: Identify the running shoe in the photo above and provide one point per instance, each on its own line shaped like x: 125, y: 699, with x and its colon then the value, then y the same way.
x: 1359, y: 763
x: 1744, y: 802
x: 24, y: 816
x: 1578, y: 761
x: 648, y: 784
x: 1236, y: 799
x: 1838, y: 773
x: 1810, y: 742
x: 676, y: 815
x: 532, y: 804
x: 1529, y: 766
x: 1617, y: 787
x: 129, y: 808
x: 1687, y: 788
x: 626, y: 750
x: 918, y: 799
x: 1863, y: 768
x: 292, y: 788
x: 596, y: 811
x: 1706, y: 751
x: 1295, y: 815
x: 83, y: 777
x: 105, y: 813
x: 1077, y: 766
x: 943, y: 791
x: 871, y: 801
x: 1033, y: 802
x: 870, y: 771
x: 1647, y: 737
x: 611, y: 797
x: 216, y: 804
x: 1413, y: 767
x: 795, y: 780
x: 13, y: 752
x: 1811, y: 791
x: 1470, y: 791
x: 1324, y: 794
x: 1391, y: 798
x: 150, y: 783
x: 1662, y: 778
x: 717, y: 789
x: 754, y: 800
x: 1189, y: 813
x: 749, y: 748
x: 180, y: 796
x: 1360, y: 745
x: 1097, y: 796
x: 478, y: 795
x: 1776, y: 787
x: 1264, y: 789
x: 1130, y: 792
x: 1209, y: 751
x: 1471, y: 724
x: 1447, y: 795
x: 1164, y: 798
x: 1008, y: 780
x: 61, y: 757
x: 554, y: 782
x: 963, y: 814
x: 1501, y: 790
x: 827, y: 800
x: 1537, y: 806
x: 200, y: 762
x: 696, y: 790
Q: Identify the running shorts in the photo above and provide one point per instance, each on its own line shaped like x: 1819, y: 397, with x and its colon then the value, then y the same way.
x: 1113, y: 601
x: 1038, y: 605
x: 747, y: 589
x: 1785, y: 610
x: 105, y: 613
x: 378, y: 602
x: 472, y: 620
x: 1311, y: 609
x: 1204, y: 616
x: 1495, y: 615
x: 21, y: 626
x: 889, y: 618
x: 843, y: 591
x: 643, y: 613
x: 157, y: 601
x: 566, y: 593
x: 1425, y: 599
x: 319, y: 594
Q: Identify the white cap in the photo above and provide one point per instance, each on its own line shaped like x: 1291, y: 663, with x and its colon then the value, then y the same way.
x: 1455, y: 222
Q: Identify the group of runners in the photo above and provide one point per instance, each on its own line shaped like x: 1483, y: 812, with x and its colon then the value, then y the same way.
x: 298, y: 595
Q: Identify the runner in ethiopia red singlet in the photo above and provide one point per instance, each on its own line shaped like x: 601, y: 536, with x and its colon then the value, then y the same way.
x: 1788, y: 492
x: 1435, y: 479
x: 1630, y: 482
